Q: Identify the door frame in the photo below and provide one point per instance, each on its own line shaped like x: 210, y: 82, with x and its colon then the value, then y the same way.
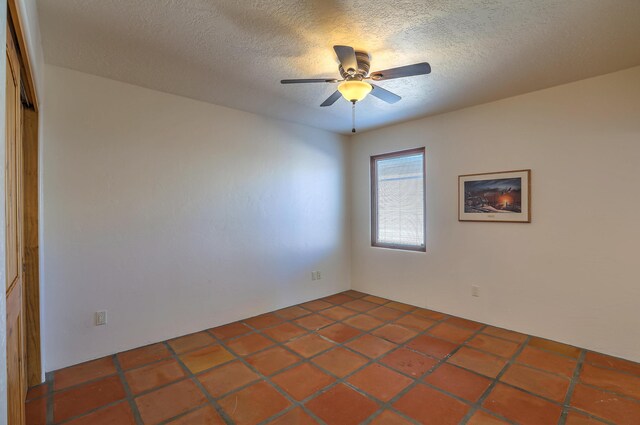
x: 31, y: 192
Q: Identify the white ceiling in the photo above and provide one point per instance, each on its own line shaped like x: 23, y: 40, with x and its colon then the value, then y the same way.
x: 234, y: 53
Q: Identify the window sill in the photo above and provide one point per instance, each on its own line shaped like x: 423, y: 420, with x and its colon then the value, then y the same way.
x: 400, y: 247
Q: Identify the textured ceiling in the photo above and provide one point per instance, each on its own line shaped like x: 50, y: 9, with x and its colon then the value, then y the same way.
x: 234, y: 53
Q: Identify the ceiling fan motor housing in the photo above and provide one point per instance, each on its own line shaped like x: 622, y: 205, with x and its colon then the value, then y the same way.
x: 363, y: 67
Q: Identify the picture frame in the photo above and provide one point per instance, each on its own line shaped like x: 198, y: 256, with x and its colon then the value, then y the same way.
x: 498, y: 197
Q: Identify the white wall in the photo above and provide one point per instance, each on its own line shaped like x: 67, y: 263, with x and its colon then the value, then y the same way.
x: 176, y: 215
x: 31, y: 28
x: 572, y: 274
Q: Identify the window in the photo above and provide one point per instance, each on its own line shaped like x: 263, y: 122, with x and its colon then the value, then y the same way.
x: 398, y: 200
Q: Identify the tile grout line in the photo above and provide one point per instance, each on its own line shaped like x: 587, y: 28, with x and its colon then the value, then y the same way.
x: 264, y: 378
x: 128, y: 392
x: 495, y: 382
x: 366, y: 312
x: 284, y: 320
x: 190, y: 375
x: 376, y: 360
x: 511, y: 361
x: 404, y: 345
x: 282, y: 344
x: 257, y: 331
x: 420, y: 380
x: 567, y: 401
x: 343, y: 380
x: 252, y: 331
x: 478, y: 332
x: 623, y: 372
x: 546, y: 350
x: 370, y: 332
x: 308, y: 332
x: 308, y: 360
x: 617, y: 394
x: 340, y: 380
x: 90, y: 411
x: 574, y: 381
x: 49, y: 413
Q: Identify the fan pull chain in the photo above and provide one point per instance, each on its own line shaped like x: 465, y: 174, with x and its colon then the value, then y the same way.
x: 353, y: 117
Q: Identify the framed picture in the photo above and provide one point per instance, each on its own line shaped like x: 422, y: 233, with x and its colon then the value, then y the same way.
x: 495, y: 197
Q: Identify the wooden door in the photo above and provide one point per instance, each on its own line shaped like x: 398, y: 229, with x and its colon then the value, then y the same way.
x: 16, y: 362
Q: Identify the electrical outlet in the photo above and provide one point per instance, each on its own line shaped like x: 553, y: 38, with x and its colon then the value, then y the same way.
x: 475, y: 291
x: 101, y: 318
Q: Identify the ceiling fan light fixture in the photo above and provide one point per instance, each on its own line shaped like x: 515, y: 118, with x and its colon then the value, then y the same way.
x: 354, y: 90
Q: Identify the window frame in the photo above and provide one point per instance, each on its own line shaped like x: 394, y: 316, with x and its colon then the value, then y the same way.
x: 374, y: 199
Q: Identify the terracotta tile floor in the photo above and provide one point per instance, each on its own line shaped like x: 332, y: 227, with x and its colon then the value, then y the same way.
x: 349, y: 358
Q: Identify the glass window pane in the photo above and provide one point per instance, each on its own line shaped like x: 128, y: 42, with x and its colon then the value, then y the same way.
x: 399, y: 189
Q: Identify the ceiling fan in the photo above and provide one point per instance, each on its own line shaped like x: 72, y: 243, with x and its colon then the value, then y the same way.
x: 354, y: 69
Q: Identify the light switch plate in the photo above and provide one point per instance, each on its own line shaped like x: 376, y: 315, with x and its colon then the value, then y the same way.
x: 101, y: 318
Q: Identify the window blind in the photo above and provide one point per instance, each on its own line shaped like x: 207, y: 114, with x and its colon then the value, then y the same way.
x: 400, y: 200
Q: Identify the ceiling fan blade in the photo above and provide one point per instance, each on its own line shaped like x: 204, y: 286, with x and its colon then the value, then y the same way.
x: 383, y: 94
x: 331, y: 99
x: 402, y: 71
x: 309, y: 80
x: 347, y: 57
